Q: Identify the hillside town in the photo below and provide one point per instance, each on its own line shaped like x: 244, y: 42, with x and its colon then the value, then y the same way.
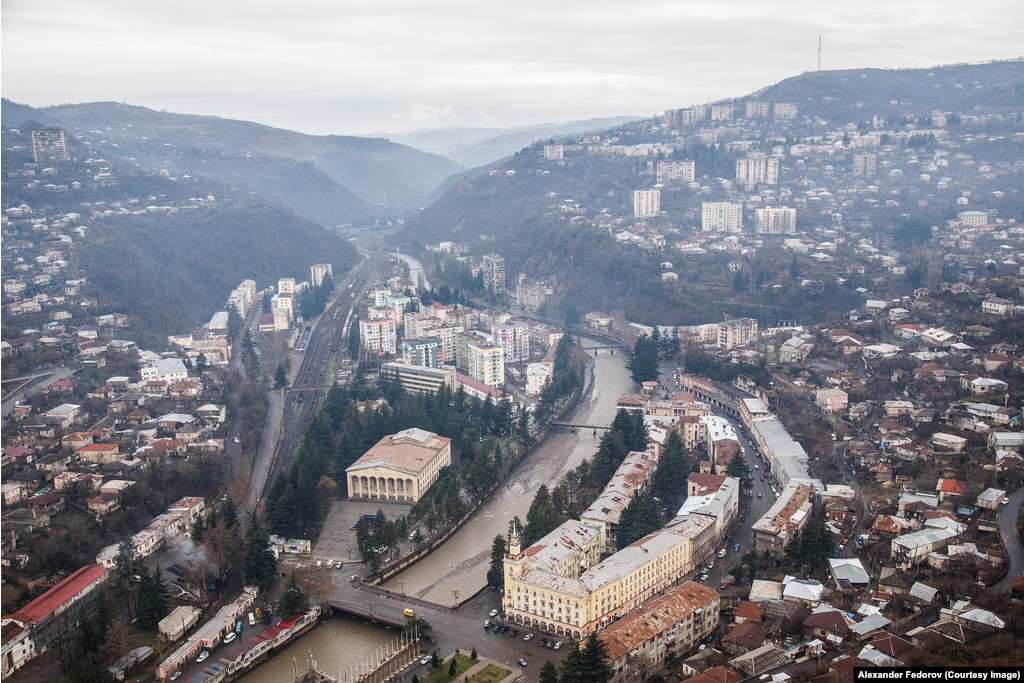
x: 890, y: 434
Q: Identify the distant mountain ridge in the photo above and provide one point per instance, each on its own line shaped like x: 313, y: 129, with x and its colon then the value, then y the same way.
x: 328, y: 179
x: 474, y: 147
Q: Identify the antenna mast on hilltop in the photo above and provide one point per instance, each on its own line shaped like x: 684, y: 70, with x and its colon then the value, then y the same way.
x: 819, y: 53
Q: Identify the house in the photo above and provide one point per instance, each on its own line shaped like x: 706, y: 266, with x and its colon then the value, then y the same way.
x: 990, y: 499
x: 950, y: 488
x: 832, y: 401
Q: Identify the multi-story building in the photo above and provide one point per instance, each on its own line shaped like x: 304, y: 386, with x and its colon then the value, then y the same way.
x: 630, y: 478
x: 788, y: 515
x: 425, y: 352
x: 757, y: 168
x: 286, y: 285
x: 737, y: 332
x: 721, y: 217
x: 554, y: 152
x: 784, y: 111
x: 556, y: 585
x: 51, y: 617
x: 865, y: 164
x: 684, y: 171
x: 493, y: 267
x: 672, y: 624
x: 419, y: 379
x: 514, y: 338
x: 723, y: 111
x: 50, y: 145
x: 481, y: 357
x: 400, y: 467
x: 646, y: 203
x: 319, y: 271
x: 779, y: 220
x: 685, y: 117
x: 758, y: 110
x: 378, y: 336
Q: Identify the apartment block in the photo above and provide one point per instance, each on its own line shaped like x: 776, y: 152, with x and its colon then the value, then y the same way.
x: 757, y: 168
x: 775, y: 221
x: 493, y: 267
x: 683, y: 171
x: 737, y: 332
x: 646, y: 203
x: 378, y: 336
x: 721, y: 217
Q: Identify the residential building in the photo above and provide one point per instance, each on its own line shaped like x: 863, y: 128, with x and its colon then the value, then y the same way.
x: 514, y: 338
x: 787, y: 515
x: 671, y: 624
x: 481, y: 358
x: 378, y: 336
x: 318, y: 272
x: 54, y: 615
x: 775, y: 221
x: 865, y: 164
x: 679, y: 171
x: 400, y: 467
x: 721, y: 217
x: 646, y: 203
x: 493, y: 267
x: 737, y: 332
x: 425, y: 352
x: 757, y: 168
x: 50, y: 145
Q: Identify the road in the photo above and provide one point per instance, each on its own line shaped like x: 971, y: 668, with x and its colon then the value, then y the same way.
x: 1008, y: 516
x: 31, y: 384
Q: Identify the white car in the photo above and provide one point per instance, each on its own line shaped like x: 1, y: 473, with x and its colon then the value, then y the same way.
x: 426, y: 659
x: 229, y: 638
x: 203, y: 656
x: 494, y: 613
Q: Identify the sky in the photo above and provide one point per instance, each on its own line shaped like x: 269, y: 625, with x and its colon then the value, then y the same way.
x: 355, y: 67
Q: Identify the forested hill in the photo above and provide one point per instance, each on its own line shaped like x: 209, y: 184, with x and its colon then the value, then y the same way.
x: 164, y: 250
x: 329, y: 179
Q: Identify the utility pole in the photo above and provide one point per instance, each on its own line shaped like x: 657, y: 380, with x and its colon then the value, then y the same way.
x: 819, y: 53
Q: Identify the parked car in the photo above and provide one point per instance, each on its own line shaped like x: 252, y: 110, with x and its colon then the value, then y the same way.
x: 558, y: 645
x: 353, y: 577
x: 229, y: 638
x: 426, y: 659
x: 494, y: 613
x: 203, y: 656
x: 523, y: 662
x: 528, y: 636
x: 430, y: 639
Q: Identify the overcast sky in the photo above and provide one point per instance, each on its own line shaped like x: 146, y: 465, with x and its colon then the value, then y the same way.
x: 359, y: 67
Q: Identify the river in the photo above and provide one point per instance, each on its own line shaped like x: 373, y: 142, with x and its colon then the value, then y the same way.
x: 461, y: 564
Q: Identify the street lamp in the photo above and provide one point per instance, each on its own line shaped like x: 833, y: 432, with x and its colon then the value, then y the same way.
x: 402, y: 581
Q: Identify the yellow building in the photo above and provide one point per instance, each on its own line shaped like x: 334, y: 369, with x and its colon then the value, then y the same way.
x: 400, y: 467
x: 556, y: 586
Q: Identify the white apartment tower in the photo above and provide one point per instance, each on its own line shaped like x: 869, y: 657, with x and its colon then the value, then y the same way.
x: 493, y: 267
x: 681, y: 171
x: 775, y: 221
x: 757, y: 168
x: 319, y: 271
x: 721, y: 217
x: 646, y: 203
x: 865, y: 164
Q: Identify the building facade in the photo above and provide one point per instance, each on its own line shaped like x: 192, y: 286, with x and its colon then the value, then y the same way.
x: 646, y: 203
x: 721, y: 217
x: 400, y: 467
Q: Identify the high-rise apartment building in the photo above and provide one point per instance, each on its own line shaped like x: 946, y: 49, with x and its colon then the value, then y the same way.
x: 481, y: 357
x: 757, y: 168
x: 50, y: 145
x: 379, y: 336
x: 775, y: 221
x: 515, y: 339
x: 784, y: 111
x: 646, y: 203
x: 865, y: 164
x: 319, y: 271
x: 493, y: 267
x: 736, y: 332
x: 681, y: 171
x: 721, y: 217
x: 758, y: 110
